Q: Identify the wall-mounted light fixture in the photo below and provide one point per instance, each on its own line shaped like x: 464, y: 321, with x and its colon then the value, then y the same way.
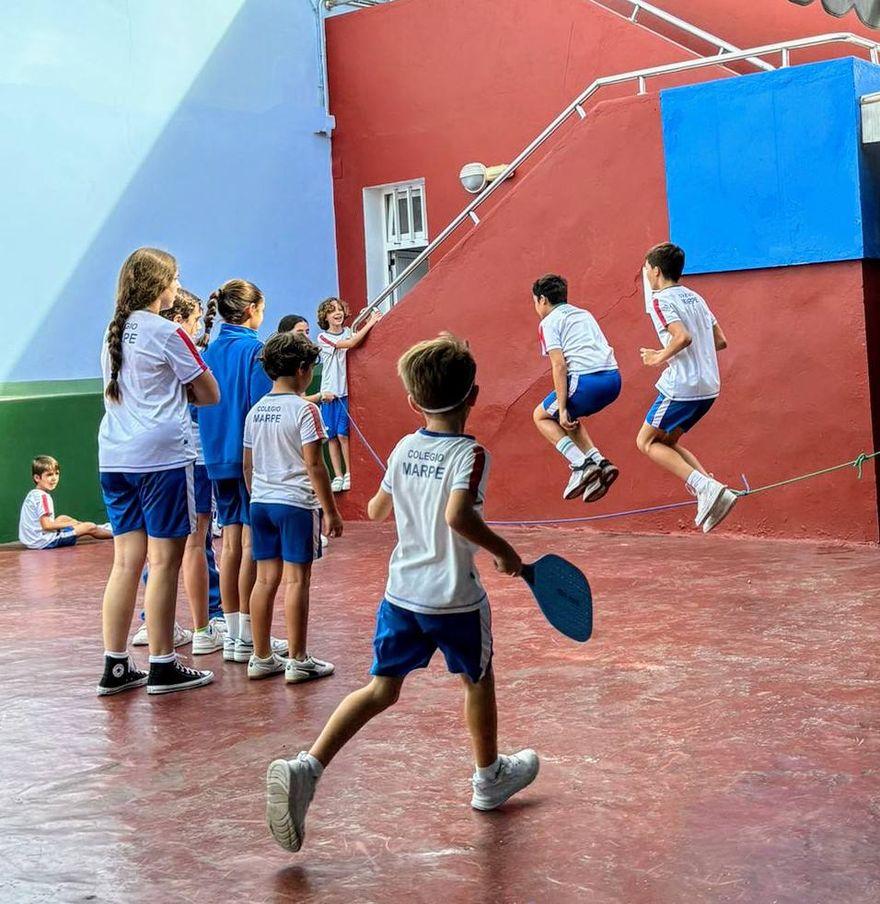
x: 474, y: 177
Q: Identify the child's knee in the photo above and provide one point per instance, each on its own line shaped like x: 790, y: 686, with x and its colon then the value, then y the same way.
x: 540, y: 414
x: 384, y: 691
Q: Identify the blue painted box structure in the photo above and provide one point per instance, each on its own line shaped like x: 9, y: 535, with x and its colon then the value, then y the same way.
x: 768, y: 170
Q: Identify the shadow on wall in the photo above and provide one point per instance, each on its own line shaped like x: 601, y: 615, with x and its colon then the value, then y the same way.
x: 868, y: 11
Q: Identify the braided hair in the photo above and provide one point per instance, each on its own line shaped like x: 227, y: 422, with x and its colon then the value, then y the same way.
x: 144, y: 276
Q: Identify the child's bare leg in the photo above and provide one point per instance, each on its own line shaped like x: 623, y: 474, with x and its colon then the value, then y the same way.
x: 160, y: 597
x: 481, y: 716
x: 101, y: 533
x: 296, y: 608
x: 352, y: 714
x: 656, y: 445
x: 335, y: 457
x: 247, y: 573
x: 551, y: 430
x: 230, y: 565
x: 129, y: 554
x: 343, y: 445
x: 195, y: 572
x: 262, y: 605
x: 689, y: 457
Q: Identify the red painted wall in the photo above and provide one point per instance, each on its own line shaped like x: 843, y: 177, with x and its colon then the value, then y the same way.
x: 421, y: 87
x: 796, y: 394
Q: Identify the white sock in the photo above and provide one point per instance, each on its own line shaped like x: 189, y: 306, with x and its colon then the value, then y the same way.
x: 231, y: 619
x: 488, y: 773
x: 165, y: 657
x: 697, y: 482
x: 113, y: 655
x: 594, y: 455
x: 315, y: 763
x: 244, y: 627
x: 570, y: 451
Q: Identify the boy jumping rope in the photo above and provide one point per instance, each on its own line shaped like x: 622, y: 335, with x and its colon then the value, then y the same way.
x: 436, y: 482
x: 585, y: 380
x: 688, y: 386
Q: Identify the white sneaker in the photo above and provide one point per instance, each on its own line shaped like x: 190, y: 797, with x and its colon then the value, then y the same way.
x: 580, y: 477
x: 307, y: 669
x: 205, y: 642
x: 706, y: 499
x: 229, y: 648
x: 290, y: 787
x: 515, y: 772
x: 346, y: 481
x: 265, y: 668
x: 720, y: 510
x: 182, y: 636
x: 218, y: 624
x: 336, y: 484
x: 140, y: 638
x: 244, y: 649
x: 325, y: 541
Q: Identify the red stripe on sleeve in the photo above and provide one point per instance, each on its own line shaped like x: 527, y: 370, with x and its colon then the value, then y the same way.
x: 659, y: 313
x: 191, y: 346
x: 541, y: 338
x: 45, y: 500
x: 477, y: 470
x: 319, y: 426
x: 326, y: 341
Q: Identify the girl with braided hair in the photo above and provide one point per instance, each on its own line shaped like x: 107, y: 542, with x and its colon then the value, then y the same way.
x: 151, y: 369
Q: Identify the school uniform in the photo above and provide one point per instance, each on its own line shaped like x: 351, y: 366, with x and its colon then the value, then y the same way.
x: 145, y: 448
x: 38, y: 504
x: 593, y: 377
x: 691, y: 382
x: 433, y: 597
x: 334, y: 379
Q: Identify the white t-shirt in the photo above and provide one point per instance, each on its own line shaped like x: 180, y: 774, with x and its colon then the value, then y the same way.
x: 193, y: 418
x: 149, y: 428
x: 580, y: 338
x: 36, y: 505
x: 275, y: 430
x: 334, y: 369
x: 693, y: 373
x: 432, y: 568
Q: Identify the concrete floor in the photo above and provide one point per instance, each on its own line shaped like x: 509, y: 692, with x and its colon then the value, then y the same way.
x: 716, y: 741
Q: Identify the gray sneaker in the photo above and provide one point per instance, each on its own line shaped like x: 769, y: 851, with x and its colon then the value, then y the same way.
x: 721, y: 509
x: 307, y: 669
x: 290, y: 787
x: 515, y: 773
x: 707, y: 498
x: 265, y: 668
x: 580, y: 477
x: 244, y: 649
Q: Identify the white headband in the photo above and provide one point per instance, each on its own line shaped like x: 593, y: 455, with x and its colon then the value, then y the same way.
x: 448, y: 407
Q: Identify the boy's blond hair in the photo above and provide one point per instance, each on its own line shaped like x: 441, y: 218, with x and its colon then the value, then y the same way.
x: 42, y: 464
x: 326, y: 306
x: 438, y: 373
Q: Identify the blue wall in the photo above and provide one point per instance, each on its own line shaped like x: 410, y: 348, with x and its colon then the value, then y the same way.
x: 768, y: 170
x: 188, y: 125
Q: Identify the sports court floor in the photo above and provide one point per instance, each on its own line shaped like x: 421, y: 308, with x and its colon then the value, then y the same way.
x: 716, y: 741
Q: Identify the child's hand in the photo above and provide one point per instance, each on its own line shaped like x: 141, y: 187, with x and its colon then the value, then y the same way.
x: 374, y: 318
x: 334, y: 525
x: 327, y: 397
x: 565, y: 421
x: 650, y: 356
x: 510, y: 563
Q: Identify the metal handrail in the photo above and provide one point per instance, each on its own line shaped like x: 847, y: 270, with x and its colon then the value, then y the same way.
x: 681, y: 24
x: 640, y: 76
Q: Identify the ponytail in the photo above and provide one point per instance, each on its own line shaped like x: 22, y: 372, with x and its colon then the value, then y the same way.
x: 114, y: 349
x: 233, y: 299
x: 210, y: 314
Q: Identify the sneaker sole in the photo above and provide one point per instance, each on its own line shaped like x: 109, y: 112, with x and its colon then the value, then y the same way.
x: 308, y: 676
x: 229, y: 657
x: 242, y: 657
x: 183, y: 686
x: 140, y: 643
x: 182, y: 643
x: 713, y: 520
x: 718, y: 495
x: 485, y: 807
x: 256, y: 676
x: 110, y: 691
x: 278, y: 817
x: 590, y: 475
x: 199, y: 652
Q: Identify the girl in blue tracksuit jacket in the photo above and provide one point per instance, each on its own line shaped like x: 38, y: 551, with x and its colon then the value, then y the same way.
x: 234, y: 359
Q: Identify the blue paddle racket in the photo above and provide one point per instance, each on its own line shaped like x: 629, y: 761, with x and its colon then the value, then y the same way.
x: 563, y: 594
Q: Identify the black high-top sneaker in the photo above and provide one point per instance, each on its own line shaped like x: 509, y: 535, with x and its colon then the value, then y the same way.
x: 120, y: 675
x: 167, y: 677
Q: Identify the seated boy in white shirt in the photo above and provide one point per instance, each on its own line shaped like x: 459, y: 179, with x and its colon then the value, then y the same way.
x: 38, y: 526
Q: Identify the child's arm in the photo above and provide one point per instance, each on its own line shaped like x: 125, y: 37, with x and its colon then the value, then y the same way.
x: 464, y: 519
x: 316, y: 397
x: 680, y: 340
x: 379, y: 507
x: 47, y: 523
x: 203, y: 390
x: 247, y: 465
x: 361, y: 334
x: 320, y: 479
x: 560, y: 384
x: 720, y: 338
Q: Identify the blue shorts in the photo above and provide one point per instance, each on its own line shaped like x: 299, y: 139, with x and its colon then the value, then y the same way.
x: 66, y: 536
x: 233, y: 501
x: 407, y: 640
x: 202, y: 486
x: 285, y: 532
x: 161, y: 503
x: 668, y: 415
x: 335, y: 416
x: 592, y: 393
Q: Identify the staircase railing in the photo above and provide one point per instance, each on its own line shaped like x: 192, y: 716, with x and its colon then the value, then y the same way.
x: 575, y: 108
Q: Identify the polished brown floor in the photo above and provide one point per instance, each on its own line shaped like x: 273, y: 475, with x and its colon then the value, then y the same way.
x: 717, y: 740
